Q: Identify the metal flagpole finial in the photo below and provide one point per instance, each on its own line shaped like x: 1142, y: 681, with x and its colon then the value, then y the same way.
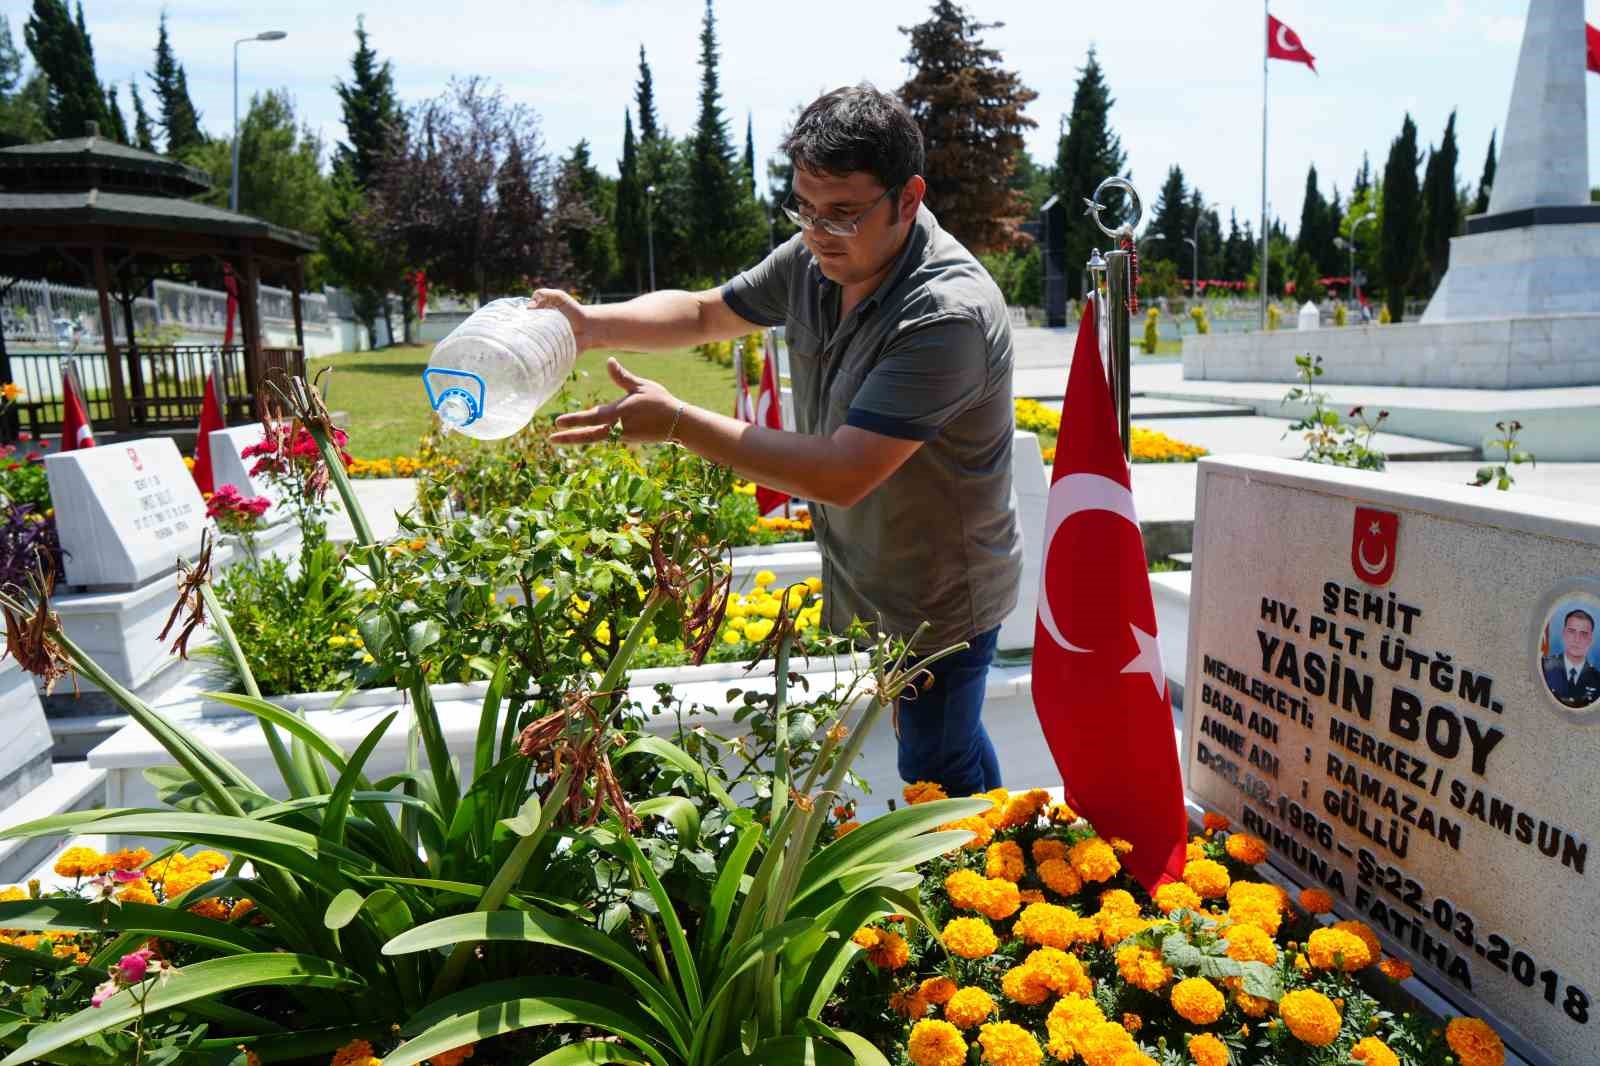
x: 1092, y: 206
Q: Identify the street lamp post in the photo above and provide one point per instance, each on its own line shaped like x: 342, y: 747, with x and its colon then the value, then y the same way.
x: 233, y: 187
x: 1350, y: 246
x: 650, y: 234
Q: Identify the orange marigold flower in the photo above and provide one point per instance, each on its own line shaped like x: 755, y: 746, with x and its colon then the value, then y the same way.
x: 1143, y: 967
x: 1374, y: 1052
x: 240, y: 909
x: 865, y: 938
x: 971, y: 938
x: 1209, y: 879
x: 1053, y: 926
x: 982, y: 832
x: 1030, y: 895
x: 963, y: 888
x: 1025, y: 985
x: 1252, y: 1006
x: 210, y: 907
x: 1008, y: 1044
x: 1004, y: 860
x: 1061, y: 814
x: 1119, y: 901
x: 1336, y: 949
x: 1197, y: 1001
x: 127, y: 859
x: 909, y: 1003
x: 1475, y: 1042
x: 1093, y: 859
x: 1068, y: 1025
x: 1242, y: 847
x: 937, y: 990
x: 845, y: 828
x: 1215, y: 823
x: 1174, y: 896
x: 1207, y: 1050
x: 1108, y: 1042
x: 1368, y: 937
x: 936, y: 1043
x: 137, y: 892
x: 1310, y: 1016
x: 1132, y: 1022
x: 355, y: 1053
x: 890, y: 952
x: 968, y: 1007
x: 453, y: 1057
x: 1315, y: 901
x: 1062, y: 973
x: 997, y: 899
x: 923, y: 792
x: 78, y: 862
x: 1046, y: 848
x: 1395, y: 969
x: 1250, y: 943
x: 1059, y: 877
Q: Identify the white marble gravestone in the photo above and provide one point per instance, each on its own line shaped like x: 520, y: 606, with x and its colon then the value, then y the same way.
x: 228, y: 467
x: 1368, y: 690
x: 24, y: 735
x: 125, y: 512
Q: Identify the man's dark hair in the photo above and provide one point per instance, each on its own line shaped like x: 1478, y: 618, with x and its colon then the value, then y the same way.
x: 857, y: 128
x: 1585, y: 615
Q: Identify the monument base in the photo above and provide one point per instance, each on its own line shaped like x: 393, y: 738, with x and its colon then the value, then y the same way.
x: 1527, y: 352
x: 24, y: 735
x: 1521, y: 272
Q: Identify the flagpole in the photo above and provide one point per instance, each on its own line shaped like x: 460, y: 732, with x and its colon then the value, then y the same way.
x: 1266, y: 12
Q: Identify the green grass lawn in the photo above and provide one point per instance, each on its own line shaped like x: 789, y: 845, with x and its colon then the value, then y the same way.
x: 387, y: 411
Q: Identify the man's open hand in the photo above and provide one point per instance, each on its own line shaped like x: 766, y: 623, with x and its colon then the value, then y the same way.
x: 645, y: 412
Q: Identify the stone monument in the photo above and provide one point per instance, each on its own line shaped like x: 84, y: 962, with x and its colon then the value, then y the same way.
x: 1394, y: 683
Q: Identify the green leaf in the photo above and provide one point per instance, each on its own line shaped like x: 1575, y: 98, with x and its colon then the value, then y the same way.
x: 682, y: 813
x: 1262, y: 981
x: 420, y: 636
x: 343, y: 909
x: 68, y: 913
x: 587, y: 1052
x: 864, y: 1053
x: 339, y: 805
x: 525, y: 822
x: 873, y: 840
x: 789, y: 1049
x: 682, y: 957
x: 676, y: 757
x: 376, y: 632
x: 197, y: 981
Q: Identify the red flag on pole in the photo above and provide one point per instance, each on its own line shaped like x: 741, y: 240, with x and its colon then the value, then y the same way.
x: 1098, y: 684
x: 211, y: 418
x: 421, y: 280
x: 75, y: 429
x: 1592, y: 37
x: 1284, y: 43
x: 230, y: 283
x: 769, y: 413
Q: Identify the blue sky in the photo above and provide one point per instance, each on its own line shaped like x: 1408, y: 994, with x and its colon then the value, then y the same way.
x: 1186, y: 73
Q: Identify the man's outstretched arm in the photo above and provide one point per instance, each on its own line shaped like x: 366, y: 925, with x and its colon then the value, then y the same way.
x: 657, y: 321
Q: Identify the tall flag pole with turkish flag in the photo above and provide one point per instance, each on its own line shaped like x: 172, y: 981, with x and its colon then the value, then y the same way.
x: 769, y: 413
x: 75, y: 429
x: 1099, y: 687
x: 211, y: 418
x: 1592, y: 40
x: 1282, y: 43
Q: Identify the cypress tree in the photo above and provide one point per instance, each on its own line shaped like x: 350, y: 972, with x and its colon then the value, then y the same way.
x: 371, y: 111
x: 1439, y: 205
x: 720, y: 205
x: 1169, y: 223
x: 1363, y: 183
x: 750, y: 149
x: 1314, y: 233
x: 10, y: 60
x: 969, y: 109
x: 644, y: 98
x: 587, y: 210
x: 63, y: 52
x: 1399, y: 242
x: 179, y: 119
x: 628, y: 218
x: 1087, y: 153
x: 21, y: 102
x: 119, y: 121
x: 1486, y: 181
x: 143, y: 135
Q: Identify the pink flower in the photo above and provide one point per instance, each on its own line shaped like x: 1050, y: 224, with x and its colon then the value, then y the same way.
x: 35, y: 455
x: 134, y: 966
x: 103, y: 993
x: 126, y: 877
x: 24, y: 436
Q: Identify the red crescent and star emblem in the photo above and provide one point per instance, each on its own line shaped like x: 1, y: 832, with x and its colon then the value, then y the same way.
x: 1372, y: 545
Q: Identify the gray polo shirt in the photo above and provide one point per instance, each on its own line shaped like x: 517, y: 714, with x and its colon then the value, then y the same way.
x: 926, y: 357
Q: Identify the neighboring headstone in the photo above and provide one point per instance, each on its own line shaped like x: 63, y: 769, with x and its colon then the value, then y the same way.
x: 24, y: 735
x: 1370, y: 690
x: 1310, y: 317
x: 230, y: 468
x: 125, y: 512
x: 1030, y: 480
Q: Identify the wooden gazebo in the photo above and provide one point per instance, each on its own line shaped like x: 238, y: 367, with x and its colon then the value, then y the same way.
x: 92, y: 211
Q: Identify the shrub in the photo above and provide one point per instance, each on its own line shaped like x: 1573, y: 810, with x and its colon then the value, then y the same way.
x: 1152, y: 327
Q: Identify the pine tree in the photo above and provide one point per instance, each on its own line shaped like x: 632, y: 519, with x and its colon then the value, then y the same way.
x: 143, y: 136
x: 179, y: 119
x: 10, y: 61
x: 22, y: 103
x: 628, y: 217
x: 1207, y: 224
x: 644, y: 98
x: 969, y: 109
x: 119, y: 121
x: 588, y: 202
x: 1169, y: 224
x: 1439, y: 206
x: 62, y: 51
x: 1486, y: 182
x: 1314, y: 235
x: 1363, y: 183
x: 725, y: 229
x: 750, y: 149
x: 371, y: 111
x: 1087, y: 153
x: 1400, y: 239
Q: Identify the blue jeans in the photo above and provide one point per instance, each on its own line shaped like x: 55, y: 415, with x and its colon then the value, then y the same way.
x: 939, y: 727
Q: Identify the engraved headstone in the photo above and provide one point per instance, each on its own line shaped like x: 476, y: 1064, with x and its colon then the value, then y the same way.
x: 1395, y: 684
x: 125, y: 512
x: 229, y: 467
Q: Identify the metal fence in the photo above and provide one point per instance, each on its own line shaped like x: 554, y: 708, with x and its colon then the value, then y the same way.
x: 67, y: 316
x: 169, y: 389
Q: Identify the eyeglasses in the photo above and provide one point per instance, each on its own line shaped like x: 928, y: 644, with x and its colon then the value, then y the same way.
x: 838, y: 227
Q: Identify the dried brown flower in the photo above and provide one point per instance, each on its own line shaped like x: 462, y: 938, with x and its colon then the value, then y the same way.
x: 190, y: 581
x: 33, y: 636
x: 577, y: 737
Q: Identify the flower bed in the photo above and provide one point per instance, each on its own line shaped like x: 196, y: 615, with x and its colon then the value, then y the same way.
x: 1148, y: 445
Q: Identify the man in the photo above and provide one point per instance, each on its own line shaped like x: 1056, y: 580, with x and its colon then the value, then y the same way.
x: 1571, y: 678
x: 900, y: 359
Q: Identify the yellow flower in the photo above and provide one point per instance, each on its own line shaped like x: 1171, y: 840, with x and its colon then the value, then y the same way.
x: 137, y: 892
x: 963, y: 887
x: 1310, y: 1016
x: 890, y: 952
x: 1315, y: 901
x: 1209, y: 879
x: 1368, y: 937
x: 1004, y: 860
x: 865, y: 938
x: 1025, y: 985
x: 1250, y: 943
x: 997, y: 899
x: 936, y: 1043
x: 971, y: 938
x: 1252, y: 1006
x: 968, y: 1007
x: 1175, y: 895
x: 1094, y: 859
x: 1143, y: 968
x: 765, y: 578
x: 11, y: 391
x: 1059, y: 877
x: 1045, y: 848
x: 908, y: 1003
x: 1053, y: 926
x: 1207, y: 1050
x: 1374, y: 1052
x: 78, y: 862
x: 758, y: 630
x: 1242, y: 847
x: 982, y: 832
x: 1008, y: 1044
x: 1062, y: 973
x: 1197, y: 1001
x: 1068, y: 1025
x: 1108, y: 1044
x: 1474, y: 1042
x: 937, y: 990
x: 1335, y: 949
x: 1062, y: 814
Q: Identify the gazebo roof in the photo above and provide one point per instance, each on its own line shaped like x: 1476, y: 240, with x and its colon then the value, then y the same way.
x: 95, y: 207
x: 90, y: 161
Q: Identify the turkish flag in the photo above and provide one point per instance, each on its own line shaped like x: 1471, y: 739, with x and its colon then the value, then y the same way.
x: 75, y: 429
x: 769, y: 413
x: 421, y: 280
x: 210, y: 419
x: 230, y: 283
x: 1098, y: 684
x: 1372, y: 545
x: 1284, y: 43
x: 1592, y: 36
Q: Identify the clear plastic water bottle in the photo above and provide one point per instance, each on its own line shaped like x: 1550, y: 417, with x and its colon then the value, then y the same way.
x: 491, y: 373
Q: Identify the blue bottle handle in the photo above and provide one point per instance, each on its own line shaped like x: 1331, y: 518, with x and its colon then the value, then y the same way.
x: 474, y: 403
